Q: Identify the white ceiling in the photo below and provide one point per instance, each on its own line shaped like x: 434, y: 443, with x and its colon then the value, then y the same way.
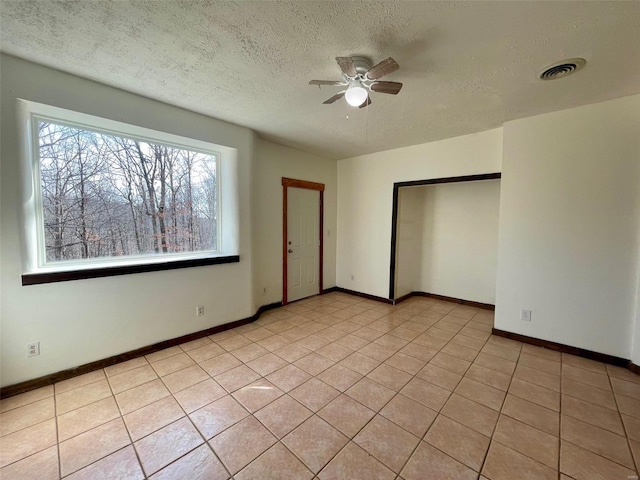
x: 466, y: 66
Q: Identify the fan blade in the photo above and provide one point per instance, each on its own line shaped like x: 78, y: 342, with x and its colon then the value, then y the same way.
x: 383, y: 68
x: 346, y: 64
x: 337, y: 96
x: 326, y: 82
x: 366, y: 103
x: 386, y: 87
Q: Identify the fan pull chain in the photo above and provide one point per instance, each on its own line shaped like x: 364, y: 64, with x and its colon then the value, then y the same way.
x: 366, y: 127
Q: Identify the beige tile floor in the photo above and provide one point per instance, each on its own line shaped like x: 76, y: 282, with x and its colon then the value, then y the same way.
x: 335, y: 387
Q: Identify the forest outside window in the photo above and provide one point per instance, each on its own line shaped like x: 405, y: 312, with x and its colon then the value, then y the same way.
x: 107, y: 198
x: 105, y: 195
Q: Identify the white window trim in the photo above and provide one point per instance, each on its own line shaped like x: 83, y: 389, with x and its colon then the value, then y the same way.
x: 34, y: 259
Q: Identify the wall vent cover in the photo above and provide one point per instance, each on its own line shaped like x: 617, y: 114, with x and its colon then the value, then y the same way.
x: 562, y: 69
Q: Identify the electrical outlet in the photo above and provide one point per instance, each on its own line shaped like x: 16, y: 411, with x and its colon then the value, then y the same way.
x: 200, y: 310
x: 525, y: 316
x: 33, y: 349
x: 264, y: 290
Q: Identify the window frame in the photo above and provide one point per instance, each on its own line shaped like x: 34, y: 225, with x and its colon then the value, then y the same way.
x: 36, y: 268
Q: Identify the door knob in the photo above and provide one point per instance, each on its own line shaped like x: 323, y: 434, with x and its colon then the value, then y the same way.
x: 290, y: 251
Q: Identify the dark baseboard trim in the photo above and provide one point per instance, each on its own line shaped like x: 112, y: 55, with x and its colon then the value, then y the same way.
x: 52, y: 378
x: 560, y: 347
x: 485, y: 306
x: 360, y: 294
x: 405, y: 297
x: 469, y: 303
x: 260, y: 311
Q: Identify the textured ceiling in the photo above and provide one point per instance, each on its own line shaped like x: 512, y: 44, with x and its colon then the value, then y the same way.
x: 466, y: 67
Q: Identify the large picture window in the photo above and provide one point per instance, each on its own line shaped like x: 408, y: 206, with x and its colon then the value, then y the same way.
x: 106, y: 198
x: 105, y: 195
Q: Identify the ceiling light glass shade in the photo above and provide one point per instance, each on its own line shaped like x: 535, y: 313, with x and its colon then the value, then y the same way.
x: 356, y: 95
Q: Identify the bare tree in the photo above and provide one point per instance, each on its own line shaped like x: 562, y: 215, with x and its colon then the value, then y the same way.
x: 105, y: 195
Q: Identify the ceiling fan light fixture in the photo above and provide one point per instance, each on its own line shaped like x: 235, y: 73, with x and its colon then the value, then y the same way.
x: 361, y: 78
x: 356, y: 95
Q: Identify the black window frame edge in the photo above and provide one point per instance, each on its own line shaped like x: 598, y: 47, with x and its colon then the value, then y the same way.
x: 100, y: 272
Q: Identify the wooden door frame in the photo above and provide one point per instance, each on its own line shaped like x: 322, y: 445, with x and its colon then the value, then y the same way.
x: 291, y: 182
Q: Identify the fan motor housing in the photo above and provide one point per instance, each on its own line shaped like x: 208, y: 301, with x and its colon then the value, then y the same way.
x: 361, y: 64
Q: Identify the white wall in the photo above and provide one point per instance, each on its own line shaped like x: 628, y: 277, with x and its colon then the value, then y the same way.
x: 365, y: 190
x: 569, y: 213
x: 635, y: 346
x: 635, y: 349
x: 460, y: 240
x: 86, y: 320
x: 409, y: 239
x: 272, y: 162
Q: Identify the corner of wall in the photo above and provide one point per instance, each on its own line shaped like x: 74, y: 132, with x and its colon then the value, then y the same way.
x: 569, y: 215
x: 272, y: 162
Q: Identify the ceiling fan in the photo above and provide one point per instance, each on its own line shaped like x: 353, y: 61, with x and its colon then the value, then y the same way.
x: 360, y: 77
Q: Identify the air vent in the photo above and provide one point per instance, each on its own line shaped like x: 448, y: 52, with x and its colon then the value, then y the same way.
x: 562, y: 69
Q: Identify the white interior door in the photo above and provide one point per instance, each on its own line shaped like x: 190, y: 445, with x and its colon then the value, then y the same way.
x: 303, y: 242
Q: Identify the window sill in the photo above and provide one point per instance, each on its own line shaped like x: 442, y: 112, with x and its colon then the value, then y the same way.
x: 65, y: 276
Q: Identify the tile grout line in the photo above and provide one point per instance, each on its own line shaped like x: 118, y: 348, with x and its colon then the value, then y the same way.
x: 31, y: 454
x: 493, y: 431
x: 97, y: 426
x: 560, y: 419
x: 597, y: 455
x: 156, y: 401
x: 376, y: 413
x: 596, y: 426
x: 462, y: 376
x: 624, y: 427
x: 55, y: 416
x: 360, y: 403
x: 536, y: 428
x: 421, y: 439
x: 599, y: 427
x: 206, y: 442
x: 243, y: 406
x: 372, y: 418
x: 531, y: 426
x: 313, y: 414
x: 269, y: 403
x: 451, y: 393
x: 351, y: 439
x: 588, y: 423
x: 135, y: 451
x: 28, y: 403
